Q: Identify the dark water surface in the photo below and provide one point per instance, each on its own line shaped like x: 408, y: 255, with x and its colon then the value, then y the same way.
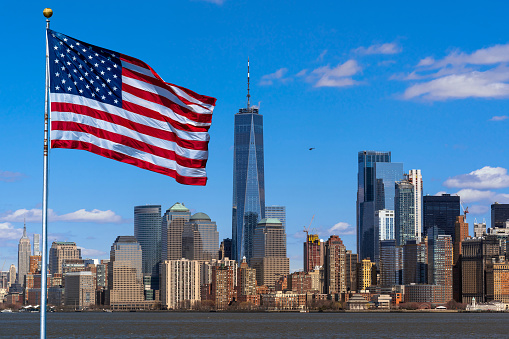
x: 257, y: 325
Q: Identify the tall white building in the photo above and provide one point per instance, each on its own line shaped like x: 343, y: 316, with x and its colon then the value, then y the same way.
x: 385, y: 221
x: 37, y: 245
x: 180, y: 283
x: 415, y: 177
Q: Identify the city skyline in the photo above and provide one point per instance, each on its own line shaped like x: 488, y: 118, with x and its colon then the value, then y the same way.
x: 360, y: 82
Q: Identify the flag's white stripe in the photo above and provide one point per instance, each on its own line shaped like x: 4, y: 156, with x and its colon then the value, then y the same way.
x: 161, y: 109
x: 137, y: 68
x: 147, y: 139
x: 109, y: 145
x: 164, y: 126
x: 142, y: 85
x: 183, y: 94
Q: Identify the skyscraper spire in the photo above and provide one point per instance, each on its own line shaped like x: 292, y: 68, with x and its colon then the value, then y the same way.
x: 24, y: 228
x: 248, y: 95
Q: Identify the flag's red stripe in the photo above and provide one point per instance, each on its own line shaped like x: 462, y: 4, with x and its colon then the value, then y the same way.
x: 114, y: 119
x: 176, y: 107
x: 149, y: 113
x: 130, y: 142
x: 161, y: 100
x: 203, y: 98
x: 200, y: 181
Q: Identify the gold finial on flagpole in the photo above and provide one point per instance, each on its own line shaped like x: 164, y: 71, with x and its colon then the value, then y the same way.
x: 48, y: 12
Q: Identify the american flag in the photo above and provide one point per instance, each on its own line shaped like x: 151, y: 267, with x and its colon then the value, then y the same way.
x: 118, y: 107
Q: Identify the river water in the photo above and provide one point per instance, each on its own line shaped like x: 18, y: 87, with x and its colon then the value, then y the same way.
x: 257, y: 325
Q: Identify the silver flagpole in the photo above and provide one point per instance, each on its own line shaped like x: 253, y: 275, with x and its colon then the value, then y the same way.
x: 44, y: 262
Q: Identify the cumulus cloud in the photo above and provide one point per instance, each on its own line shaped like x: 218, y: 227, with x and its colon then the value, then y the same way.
x: 7, y: 176
x: 480, y: 74
x: 82, y: 215
x: 339, y: 76
x: 499, y: 118
x: 278, y: 75
x: 321, y: 56
x: 478, y: 209
x: 468, y: 195
x: 387, y: 48
x: 484, y: 178
x: 8, y: 232
x: 342, y: 228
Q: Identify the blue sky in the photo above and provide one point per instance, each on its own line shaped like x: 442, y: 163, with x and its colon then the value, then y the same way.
x: 429, y: 82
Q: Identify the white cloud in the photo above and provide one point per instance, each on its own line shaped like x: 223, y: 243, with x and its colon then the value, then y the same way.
x: 8, y: 232
x: 91, y: 253
x: 278, y: 75
x: 486, y: 177
x: 478, y: 209
x: 339, y: 76
x: 475, y: 84
x: 469, y: 195
x: 321, y: 56
x: 480, y: 74
x: 387, y: 48
x: 82, y: 215
x: 499, y: 118
x: 343, y: 228
x: 7, y: 176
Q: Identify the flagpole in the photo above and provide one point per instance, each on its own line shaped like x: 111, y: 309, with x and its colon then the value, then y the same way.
x: 44, y: 272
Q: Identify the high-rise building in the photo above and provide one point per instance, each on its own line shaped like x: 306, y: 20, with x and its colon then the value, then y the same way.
x: 24, y: 253
x: 147, y: 230
x: 460, y: 234
x: 404, y: 210
x: 440, y: 211
x: 278, y: 212
x: 37, y: 244
x: 225, y: 249
x: 12, y: 275
x: 79, y: 289
x: 313, y: 252
x: 370, y: 196
x: 180, y: 283
x: 497, y: 281
x: 440, y: 262
x: 499, y: 215
x: 476, y: 254
x: 390, y: 263
x: 125, y: 276
x: 415, y: 262
x: 366, y: 274
x: 246, y: 287
x: 415, y: 178
x: 385, y: 221
x: 479, y: 229
x: 335, y: 265
x: 269, y: 257
x: 60, y: 252
x: 351, y: 260
x: 200, y: 238
x: 248, y: 179
x: 172, y: 228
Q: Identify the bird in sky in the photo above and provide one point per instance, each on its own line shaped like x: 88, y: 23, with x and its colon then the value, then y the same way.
x: 311, y: 148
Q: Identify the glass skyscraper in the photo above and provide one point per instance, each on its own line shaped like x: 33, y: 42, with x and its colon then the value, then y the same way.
x: 147, y: 230
x: 440, y: 211
x: 376, y: 178
x: 404, y: 213
x: 248, y: 180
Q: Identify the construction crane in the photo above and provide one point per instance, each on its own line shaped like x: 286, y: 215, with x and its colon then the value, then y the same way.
x: 3, y: 266
x: 465, y: 210
x: 306, y: 229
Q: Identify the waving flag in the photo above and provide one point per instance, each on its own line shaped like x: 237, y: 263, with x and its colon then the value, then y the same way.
x: 117, y: 106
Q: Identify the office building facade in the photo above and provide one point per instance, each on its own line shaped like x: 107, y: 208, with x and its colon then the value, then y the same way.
x: 60, y: 252
x: 404, y: 210
x: 171, y: 233
x: 415, y: 178
x: 278, y: 212
x: 499, y: 215
x: 200, y: 238
x: 24, y: 253
x: 440, y: 211
x: 147, y: 230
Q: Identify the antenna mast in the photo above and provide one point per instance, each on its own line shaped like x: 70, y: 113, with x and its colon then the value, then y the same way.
x: 248, y: 95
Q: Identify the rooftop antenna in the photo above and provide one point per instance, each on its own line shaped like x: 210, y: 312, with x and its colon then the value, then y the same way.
x: 248, y: 95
